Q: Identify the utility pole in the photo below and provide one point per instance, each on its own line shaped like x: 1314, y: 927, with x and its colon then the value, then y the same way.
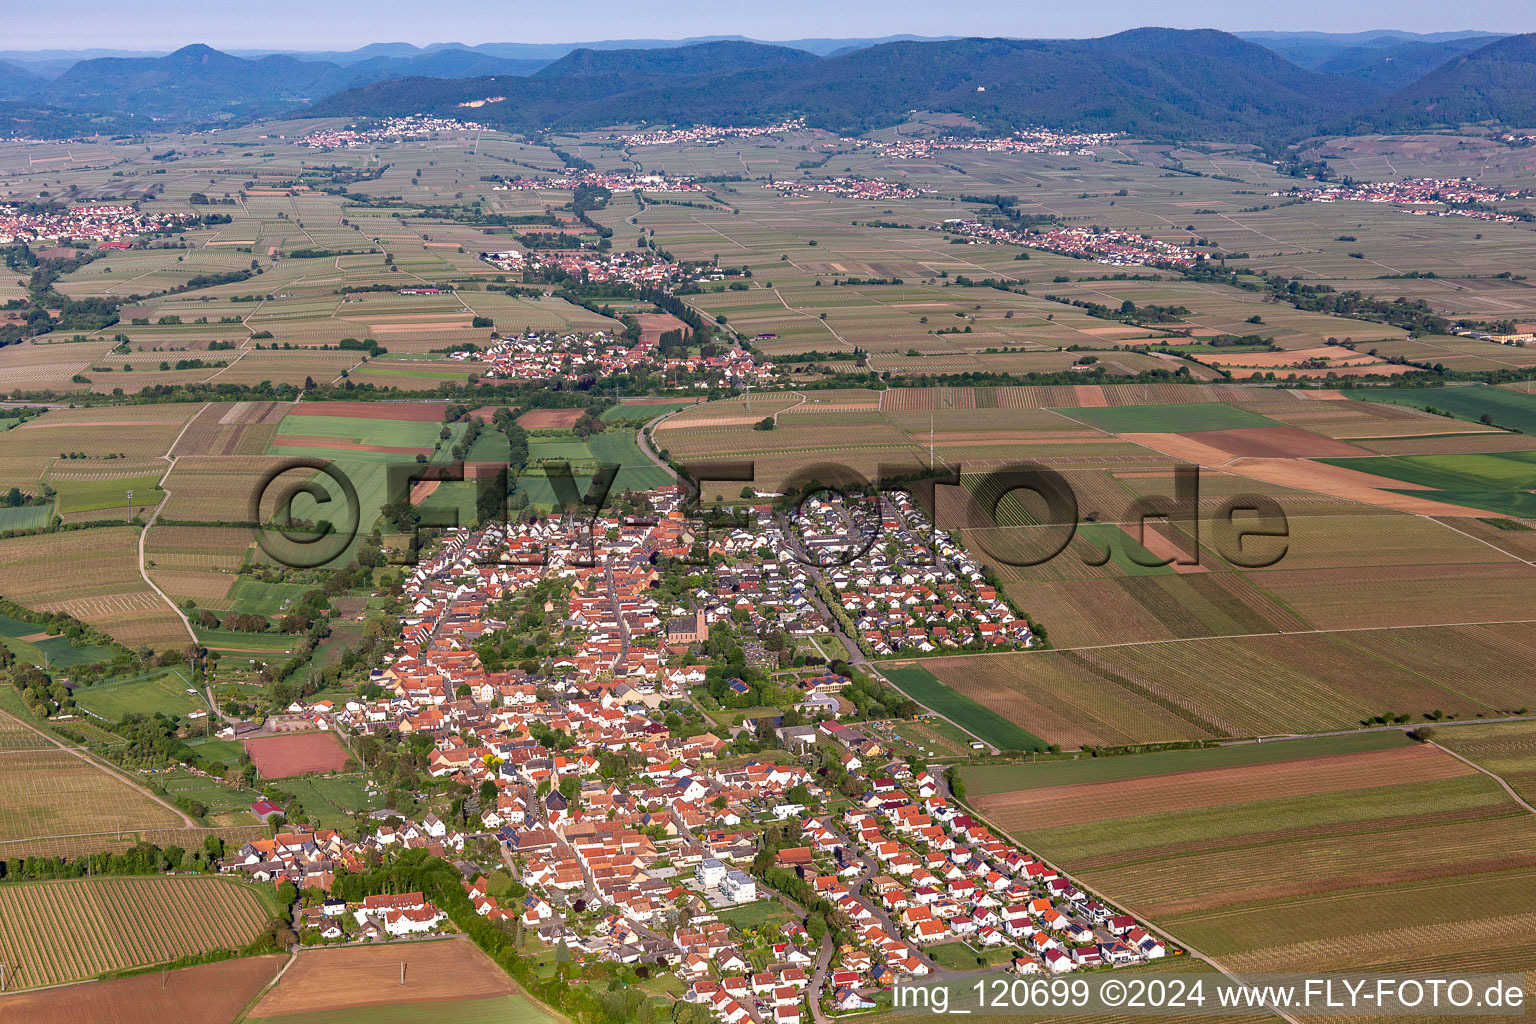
x: 130, y: 506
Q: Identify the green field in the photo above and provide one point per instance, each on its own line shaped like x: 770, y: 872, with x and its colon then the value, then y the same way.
x: 219, y: 798
x: 27, y: 517
x: 100, y: 495
x: 254, y: 597
x: 1169, y: 419
x: 396, y: 433
x: 981, y: 780
x: 332, y: 800
x: 227, y: 751
x: 614, y: 447
x: 513, y: 1009
x: 163, y: 691
x: 1507, y: 408
x: 1498, y: 481
x: 921, y: 685
x: 230, y: 640
x: 755, y: 915
x: 637, y: 413
x: 53, y: 651
x: 1126, y: 553
x: 368, y: 471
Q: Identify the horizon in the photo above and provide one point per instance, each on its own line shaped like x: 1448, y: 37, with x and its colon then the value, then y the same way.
x: 114, y: 27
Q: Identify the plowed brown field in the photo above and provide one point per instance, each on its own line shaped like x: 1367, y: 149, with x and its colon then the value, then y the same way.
x: 1070, y: 805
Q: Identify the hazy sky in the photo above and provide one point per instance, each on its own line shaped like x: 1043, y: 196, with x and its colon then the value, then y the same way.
x: 344, y: 24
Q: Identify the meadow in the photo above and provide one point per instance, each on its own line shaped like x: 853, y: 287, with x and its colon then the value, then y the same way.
x: 1508, y: 408
x: 162, y: 691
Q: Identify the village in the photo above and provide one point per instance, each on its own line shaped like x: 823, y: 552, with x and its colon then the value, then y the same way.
x: 638, y: 822
x: 601, y: 179
x: 394, y: 129
x: 1115, y: 248
x: 113, y: 224
x: 1032, y: 140
x: 708, y: 134
x: 1411, y: 191
x: 851, y: 188
x: 597, y: 355
x: 636, y: 267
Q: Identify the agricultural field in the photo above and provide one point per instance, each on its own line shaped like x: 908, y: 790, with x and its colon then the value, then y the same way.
x: 1499, y: 482
x: 1508, y: 408
x: 919, y: 684
x: 31, y: 644
x: 581, y: 458
x: 162, y: 691
x: 206, y: 994
x: 53, y: 932
x: 48, y: 795
x: 1267, y: 856
x: 94, y: 576
x: 1297, y: 683
x: 1508, y: 749
x: 328, y: 982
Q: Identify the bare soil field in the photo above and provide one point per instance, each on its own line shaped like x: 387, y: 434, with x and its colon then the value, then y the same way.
x: 415, y: 412
x: 343, y: 445
x: 206, y: 994
x: 1345, y: 483
x: 337, y: 979
x: 1071, y: 805
x: 1273, y: 443
x: 549, y: 419
x: 280, y: 757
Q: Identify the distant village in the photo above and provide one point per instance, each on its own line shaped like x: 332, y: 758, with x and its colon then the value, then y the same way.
x: 115, y: 224
x: 1032, y: 140
x: 851, y: 188
x: 1463, y: 196
x: 603, y: 179
x: 394, y: 129
x: 636, y: 267
x: 597, y: 355
x: 1115, y: 248
x: 708, y: 134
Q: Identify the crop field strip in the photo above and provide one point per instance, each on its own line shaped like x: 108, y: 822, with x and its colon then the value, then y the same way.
x: 94, y: 576
x: 1508, y: 749
x: 46, y: 792
x: 205, y: 994
x: 1303, y: 682
x: 1430, y: 851
x: 53, y: 932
